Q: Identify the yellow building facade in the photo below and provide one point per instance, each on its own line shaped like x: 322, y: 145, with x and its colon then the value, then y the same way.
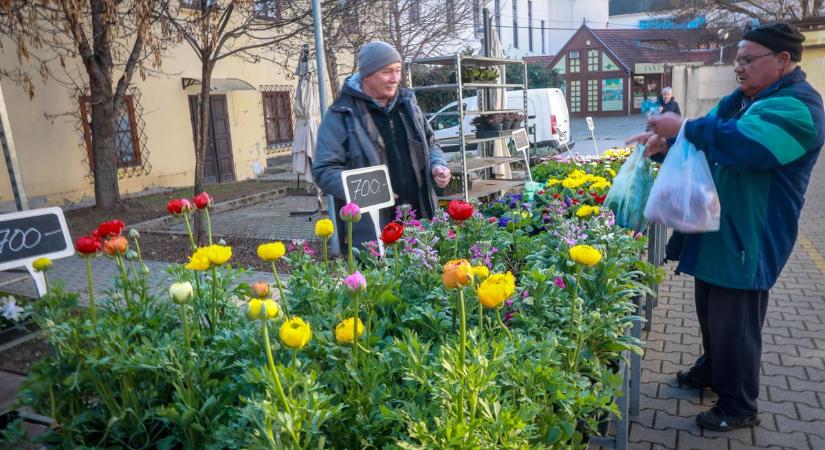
x: 252, y: 118
x: 813, y: 56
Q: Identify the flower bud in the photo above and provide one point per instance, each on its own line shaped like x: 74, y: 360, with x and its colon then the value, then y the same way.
x: 351, y: 213
x: 133, y: 233
x: 182, y: 292
x: 260, y: 289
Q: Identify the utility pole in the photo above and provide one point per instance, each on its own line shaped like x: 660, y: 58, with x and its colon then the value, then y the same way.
x: 320, y: 66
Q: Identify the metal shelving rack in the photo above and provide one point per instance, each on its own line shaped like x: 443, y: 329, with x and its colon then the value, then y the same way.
x: 486, y: 186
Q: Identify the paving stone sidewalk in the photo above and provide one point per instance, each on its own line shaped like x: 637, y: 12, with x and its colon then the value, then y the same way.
x: 269, y: 219
x: 792, y: 392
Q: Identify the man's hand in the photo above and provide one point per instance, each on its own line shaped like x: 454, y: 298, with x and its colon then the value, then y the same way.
x: 441, y: 176
x: 653, y: 142
x: 666, y: 125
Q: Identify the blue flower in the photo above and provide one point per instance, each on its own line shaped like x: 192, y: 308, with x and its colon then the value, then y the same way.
x: 503, y: 221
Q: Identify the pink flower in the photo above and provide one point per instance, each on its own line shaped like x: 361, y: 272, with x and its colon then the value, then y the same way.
x: 351, y: 212
x: 559, y: 282
x: 355, y: 282
x: 451, y: 234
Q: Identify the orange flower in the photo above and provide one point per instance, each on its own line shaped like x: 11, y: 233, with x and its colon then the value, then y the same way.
x: 116, y: 245
x: 260, y: 289
x: 457, y: 273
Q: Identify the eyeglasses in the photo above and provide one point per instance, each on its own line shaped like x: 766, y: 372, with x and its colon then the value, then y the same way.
x: 746, y: 61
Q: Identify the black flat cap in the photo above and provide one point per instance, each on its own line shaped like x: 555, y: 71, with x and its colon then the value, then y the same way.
x: 778, y: 37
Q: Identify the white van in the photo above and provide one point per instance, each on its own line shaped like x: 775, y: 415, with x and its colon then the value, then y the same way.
x: 546, y: 108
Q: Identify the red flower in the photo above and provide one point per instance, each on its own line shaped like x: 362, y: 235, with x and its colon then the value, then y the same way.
x: 581, y: 191
x: 598, y: 198
x: 540, y: 192
x: 202, y: 200
x: 179, y: 206
x: 392, y: 232
x: 87, y: 245
x: 492, y: 220
x: 459, y: 210
x: 556, y: 195
x: 109, y: 229
x: 575, y: 201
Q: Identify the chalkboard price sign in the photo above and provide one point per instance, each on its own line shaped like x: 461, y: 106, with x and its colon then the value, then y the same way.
x: 28, y: 235
x: 520, y: 139
x: 369, y: 188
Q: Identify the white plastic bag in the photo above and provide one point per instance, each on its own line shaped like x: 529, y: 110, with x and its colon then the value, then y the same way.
x: 630, y: 189
x: 683, y: 196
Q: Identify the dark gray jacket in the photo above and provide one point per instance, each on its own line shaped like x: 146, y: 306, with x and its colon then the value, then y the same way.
x: 344, y: 143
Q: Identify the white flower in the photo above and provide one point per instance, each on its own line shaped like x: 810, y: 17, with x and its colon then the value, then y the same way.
x: 9, y: 309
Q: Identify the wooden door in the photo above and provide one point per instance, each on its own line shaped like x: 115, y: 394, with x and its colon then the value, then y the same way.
x: 219, y: 166
x: 221, y: 139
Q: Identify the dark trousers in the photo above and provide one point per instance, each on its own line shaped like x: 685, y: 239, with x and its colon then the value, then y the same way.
x: 731, y: 323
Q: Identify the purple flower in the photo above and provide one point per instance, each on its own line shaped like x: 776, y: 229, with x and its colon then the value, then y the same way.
x: 372, y: 246
x: 525, y: 294
x: 508, y: 316
x: 503, y: 221
x: 355, y: 282
x: 509, y: 302
x: 559, y: 282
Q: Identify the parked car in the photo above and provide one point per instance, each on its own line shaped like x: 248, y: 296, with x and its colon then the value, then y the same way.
x: 546, y: 110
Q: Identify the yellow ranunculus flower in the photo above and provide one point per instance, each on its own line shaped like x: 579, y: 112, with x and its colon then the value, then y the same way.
x: 42, y: 264
x: 218, y: 254
x: 324, y: 228
x: 262, y: 309
x: 343, y: 331
x: 199, y: 260
x: 587, y: 211
x: 611, y: 172
x: 271, y: 251
x: 496, y: 289
x: 295, y: 333
x: 456, y: 273
x: 481, y: 272
x: 552, y: 182
x: 585, y: 254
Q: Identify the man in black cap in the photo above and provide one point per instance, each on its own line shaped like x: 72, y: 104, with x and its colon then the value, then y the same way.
x: 761, y: 142
x: 374, y: 121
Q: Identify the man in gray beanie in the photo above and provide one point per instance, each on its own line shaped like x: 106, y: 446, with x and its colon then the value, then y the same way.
x: 374, y: 122
x: 761, y: 141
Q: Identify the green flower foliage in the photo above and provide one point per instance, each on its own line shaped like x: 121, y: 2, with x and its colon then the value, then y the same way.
x: 546, y: 381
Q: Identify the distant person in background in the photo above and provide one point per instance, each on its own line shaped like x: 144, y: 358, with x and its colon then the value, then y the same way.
x: 667, y: 103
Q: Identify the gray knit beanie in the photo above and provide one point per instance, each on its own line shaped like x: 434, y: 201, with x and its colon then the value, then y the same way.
x: 376, y: 55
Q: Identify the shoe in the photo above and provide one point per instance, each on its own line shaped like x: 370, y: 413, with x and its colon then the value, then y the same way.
x: 714, y: 419
x: 689, y: 380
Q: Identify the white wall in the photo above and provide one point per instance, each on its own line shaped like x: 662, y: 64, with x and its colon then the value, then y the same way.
x: 561, y: 19
x: 699, y: 88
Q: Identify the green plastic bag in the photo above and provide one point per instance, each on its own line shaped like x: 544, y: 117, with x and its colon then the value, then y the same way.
x: 628, y: 194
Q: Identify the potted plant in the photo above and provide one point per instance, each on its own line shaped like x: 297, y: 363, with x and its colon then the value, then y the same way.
x: 518, y: 119
x: 489, y: 125
x: 455, y: 186
x: 479, y: 75
x: 507, y: 121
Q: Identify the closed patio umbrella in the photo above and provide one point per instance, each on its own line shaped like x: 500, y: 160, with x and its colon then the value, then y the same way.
x: 306, y: 111
x: 499, y: 101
